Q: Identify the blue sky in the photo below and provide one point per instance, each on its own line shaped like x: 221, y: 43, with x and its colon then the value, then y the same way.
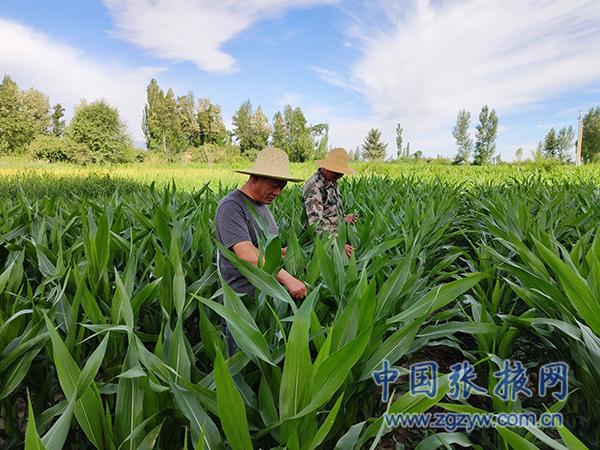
x: 352, y: 64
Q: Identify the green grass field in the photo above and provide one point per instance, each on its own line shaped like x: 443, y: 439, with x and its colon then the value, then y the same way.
x: 192, y: 175
x: 111, y: 337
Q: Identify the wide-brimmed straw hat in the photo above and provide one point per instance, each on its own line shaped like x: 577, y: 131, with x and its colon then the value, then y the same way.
x: 271, y: 163
x: 336, y: 161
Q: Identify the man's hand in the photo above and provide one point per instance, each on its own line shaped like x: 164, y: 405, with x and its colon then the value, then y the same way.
x: 351, y: 218
x: 296, y: 288
x: 348, y: 249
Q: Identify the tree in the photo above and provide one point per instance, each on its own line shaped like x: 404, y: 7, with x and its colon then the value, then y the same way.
x: 565, y: 138
x: 151, y: 125
x: 242, y: 129
x: 538, y: 154
x: 278, y: 138
x: 519, y: 154
x: 464, y: 143
x: 260, y: 130
x: 550, y: 145
x: 590, y: 143
x: 211, y: 129
x: 399, y: 141
x: 354, y: 155
x: 558, y: 145
x: 418, y: 155
x: 17, y: 127
x: 300, y: 145
x: 320, y: 136
x: 187, y: 119
x: 174, y: 138
x: 373, y: 149
x: 161, y: 122
x: 98, y: 127
x: 293, y: 134
x: 57, y: 127
x: 485, y: 137
x: 37, y: 107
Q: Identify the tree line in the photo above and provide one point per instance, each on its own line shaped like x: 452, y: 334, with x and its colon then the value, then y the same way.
x: 28, y: 126
x: 557, y: 145
x: 480, y: 152
x: 175, y: 126
x: 172, y: 126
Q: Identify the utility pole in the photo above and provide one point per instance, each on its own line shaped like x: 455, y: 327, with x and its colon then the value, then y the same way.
x: 579, y: 139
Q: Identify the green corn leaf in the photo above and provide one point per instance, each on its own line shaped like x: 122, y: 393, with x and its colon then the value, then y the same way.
x: 150, y: 439
x: 246, y: 334
x: 393, y: 287
x: 272, y: 261
x: 297, y: 363
x: 204, y: 431
x: 230, y: 406
x: 445, y: 440
x: 333, y: 372
x: 5, y: 276
x: 122, y: 304
x: 209, y: 335
x: 392, y: 349
x: 179, y: 358
x: 576, y: 288
x: 12, y: 379
x: 438, y: 297
x: 348, y: 441
x: 259, y: 278
x: 88, y: 409
x: 179, y: 287
x: 449, y: 328
x: 56, y: 437
x: 545, y: 439
x: 129, y: 411
x: 570, y: 440
x: 91, y: 367
x: 327, y: 424
x: 266, y: 402
x: 514, y: 440
x: 32, y: 438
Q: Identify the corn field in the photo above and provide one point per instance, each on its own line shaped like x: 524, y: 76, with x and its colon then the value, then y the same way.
x: 112, y: 335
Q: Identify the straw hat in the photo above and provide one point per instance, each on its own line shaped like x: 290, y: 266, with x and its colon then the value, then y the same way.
x: 336, y: 161
x: 271, y: 163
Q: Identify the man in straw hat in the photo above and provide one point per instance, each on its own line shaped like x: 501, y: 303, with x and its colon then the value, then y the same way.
x: 236, y: 227
x: 321, y: 195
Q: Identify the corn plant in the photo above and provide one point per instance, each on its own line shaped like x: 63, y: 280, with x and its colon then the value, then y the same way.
x: 113, y: 314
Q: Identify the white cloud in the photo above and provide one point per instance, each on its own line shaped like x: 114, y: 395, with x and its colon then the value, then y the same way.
x: 193, y: 30
x: 332, y: 77
x: 436, y: 58
x: 66, y: 74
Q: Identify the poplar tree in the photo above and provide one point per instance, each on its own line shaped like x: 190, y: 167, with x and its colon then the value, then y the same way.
x: 485, y: 136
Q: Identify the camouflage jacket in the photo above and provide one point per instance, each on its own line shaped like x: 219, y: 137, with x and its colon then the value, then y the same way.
x: 323, y: 204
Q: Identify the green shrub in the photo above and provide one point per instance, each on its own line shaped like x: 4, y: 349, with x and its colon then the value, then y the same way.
x: 98, y: 126
x: 54, y: 149
x: 49, y: 148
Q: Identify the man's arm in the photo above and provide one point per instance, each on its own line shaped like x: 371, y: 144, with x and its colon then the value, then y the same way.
x: 248, y: 252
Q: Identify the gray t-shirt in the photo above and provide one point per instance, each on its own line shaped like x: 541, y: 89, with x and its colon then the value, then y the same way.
x: 234, y: 223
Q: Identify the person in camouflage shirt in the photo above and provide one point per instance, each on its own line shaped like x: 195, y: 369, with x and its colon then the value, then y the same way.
x: 321, y: 195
